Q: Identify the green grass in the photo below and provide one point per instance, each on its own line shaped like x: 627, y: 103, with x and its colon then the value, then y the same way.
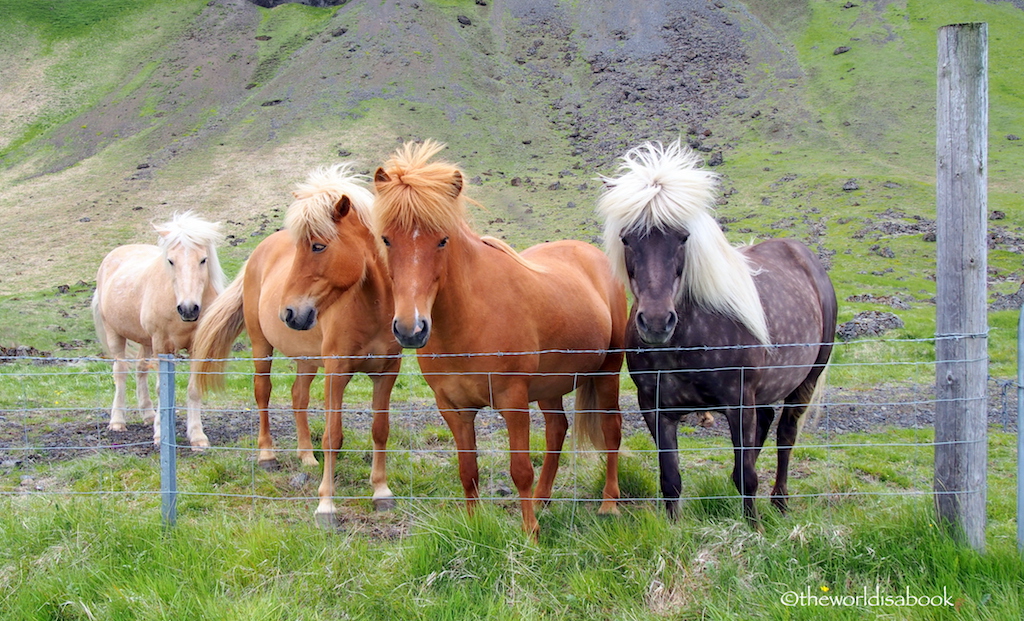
x: 250, y: 552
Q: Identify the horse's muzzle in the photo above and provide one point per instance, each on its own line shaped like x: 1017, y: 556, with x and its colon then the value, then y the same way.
x: 188, y: 312
x: 416, y: 337
x: 299, y: 318
x: 656, y: 330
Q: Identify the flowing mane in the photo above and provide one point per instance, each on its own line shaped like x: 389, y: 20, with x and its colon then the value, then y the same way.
x: 420, y: 193
x: 311, y: 215
x: 663, y: 187
x: 188, y: 229
x: 413, y: 192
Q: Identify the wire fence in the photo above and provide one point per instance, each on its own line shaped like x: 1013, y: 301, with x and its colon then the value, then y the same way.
x: 872, y: 436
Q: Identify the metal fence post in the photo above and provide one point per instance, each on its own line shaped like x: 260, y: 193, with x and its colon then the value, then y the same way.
x: 168, y: 442
x: 1020, y: 425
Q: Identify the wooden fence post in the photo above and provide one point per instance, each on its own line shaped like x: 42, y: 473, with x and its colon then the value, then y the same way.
x: 961, y: 347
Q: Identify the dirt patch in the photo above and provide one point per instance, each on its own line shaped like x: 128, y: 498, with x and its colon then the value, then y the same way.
x: 845, y: 411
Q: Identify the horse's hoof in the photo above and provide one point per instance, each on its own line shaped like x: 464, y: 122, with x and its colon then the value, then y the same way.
x: 608, y: 510
x: 308, y: 459
x: 200, y: 444
x: 117, y: 427
x: 327, y: 521
x: 383, y: 504
x: 149, y: 419
x: 781, y: 503
x: 269, y: 465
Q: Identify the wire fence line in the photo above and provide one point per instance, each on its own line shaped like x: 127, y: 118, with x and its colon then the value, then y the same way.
x: 54, y: 410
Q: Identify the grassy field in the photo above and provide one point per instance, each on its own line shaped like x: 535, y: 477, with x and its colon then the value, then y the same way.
x: 229, y: 109
x: 248, y: 549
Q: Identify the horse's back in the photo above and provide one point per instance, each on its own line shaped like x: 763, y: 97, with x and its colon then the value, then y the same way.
x: 800, y: 304
x: 578, y: 286
x: 795, y: 290
x: 578, y: 265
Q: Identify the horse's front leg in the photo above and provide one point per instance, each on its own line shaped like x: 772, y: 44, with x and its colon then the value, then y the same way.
x: 383, y: 383
x: 515, y: 409
x: 664, y: 430
x: 462, y: 423
x: 305, y: 372
x: 335, y: 381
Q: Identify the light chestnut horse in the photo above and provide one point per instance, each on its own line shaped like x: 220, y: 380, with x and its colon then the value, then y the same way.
x: 317, y: 292
x: 499, y: 329
x: 153, y: 296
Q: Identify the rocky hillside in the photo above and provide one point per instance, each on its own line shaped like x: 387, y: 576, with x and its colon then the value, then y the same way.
x: 818, y: 114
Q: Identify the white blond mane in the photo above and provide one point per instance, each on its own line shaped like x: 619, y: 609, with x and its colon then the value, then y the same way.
x: 312, y: 213
x: 189, y: 230
x: 663, y: 187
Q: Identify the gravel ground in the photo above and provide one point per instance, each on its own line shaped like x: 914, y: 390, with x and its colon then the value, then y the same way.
x: 848, y: 411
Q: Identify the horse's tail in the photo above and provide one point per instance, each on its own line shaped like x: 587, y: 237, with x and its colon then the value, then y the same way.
x: 587, y: 422
x: 218, y: 328
x: 97, y: 319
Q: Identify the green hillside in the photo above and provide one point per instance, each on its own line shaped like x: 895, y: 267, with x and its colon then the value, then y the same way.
x: 121, y: 112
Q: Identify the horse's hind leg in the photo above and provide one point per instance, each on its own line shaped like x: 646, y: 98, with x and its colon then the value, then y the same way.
x: 143, y: 365
x: 117, y: 408
x: 607, y: 388
x: 555, y: 427
x: 789, y: 428
x: 305, y: 372
x: 743, y: 429
x: 383, y: 498
x: 194, y: 425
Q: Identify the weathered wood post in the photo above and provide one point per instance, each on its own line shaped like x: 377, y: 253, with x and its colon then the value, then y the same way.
x: 961, y: 347
x: 168, y: 456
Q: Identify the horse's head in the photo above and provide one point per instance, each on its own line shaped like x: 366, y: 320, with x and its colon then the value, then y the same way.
x: 663, y: 241
x: 333, y: 245
x: 420, y: 214
x: 654, y: 262
x: 190, y: 257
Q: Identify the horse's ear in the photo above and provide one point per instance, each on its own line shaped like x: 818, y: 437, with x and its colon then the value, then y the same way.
x: 457, y: 183
x: 341, y: 208
x: 380, y: 176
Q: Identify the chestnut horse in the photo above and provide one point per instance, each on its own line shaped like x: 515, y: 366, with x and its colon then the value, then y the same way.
x: 499, y: 329
x: 713, y: 326
x: 317, y: 292
x: 153, y: 295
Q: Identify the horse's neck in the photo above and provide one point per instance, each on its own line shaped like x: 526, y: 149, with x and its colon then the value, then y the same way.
x: 471, y: 275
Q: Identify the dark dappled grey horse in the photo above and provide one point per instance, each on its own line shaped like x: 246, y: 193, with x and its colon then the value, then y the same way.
x: 713, y: 327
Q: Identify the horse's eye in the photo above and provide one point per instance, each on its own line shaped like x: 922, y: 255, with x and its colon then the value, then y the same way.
x: 625, y: 242
x: 443, y: 243
x: 171, y: 263
x: 203, y: 262
x: 387, y: 242
x: 318, y: 248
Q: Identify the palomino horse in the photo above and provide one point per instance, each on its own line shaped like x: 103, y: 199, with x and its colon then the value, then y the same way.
x: 499, y: 329
x: 713, y: 326
x: 153, y: 295
x: 318, y: 292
